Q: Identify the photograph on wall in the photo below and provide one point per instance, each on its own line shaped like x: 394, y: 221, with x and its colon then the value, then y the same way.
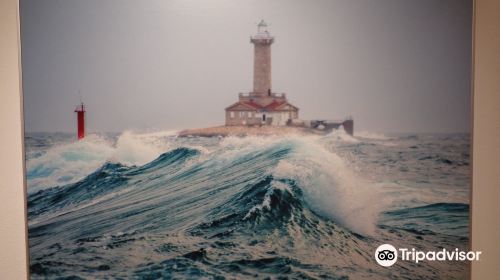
x: 183, y: 139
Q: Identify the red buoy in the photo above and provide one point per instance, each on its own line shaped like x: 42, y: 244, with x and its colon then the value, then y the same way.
x: 80, y: 112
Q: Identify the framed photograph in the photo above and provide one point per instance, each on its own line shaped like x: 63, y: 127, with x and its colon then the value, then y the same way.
x: 248, y: 140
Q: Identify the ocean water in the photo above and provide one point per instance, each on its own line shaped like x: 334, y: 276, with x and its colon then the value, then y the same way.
x: 158, y: 206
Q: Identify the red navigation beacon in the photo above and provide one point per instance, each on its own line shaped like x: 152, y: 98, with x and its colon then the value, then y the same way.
x: 80, y: 112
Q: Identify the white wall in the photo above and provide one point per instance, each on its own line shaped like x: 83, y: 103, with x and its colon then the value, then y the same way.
x: 13, y: 260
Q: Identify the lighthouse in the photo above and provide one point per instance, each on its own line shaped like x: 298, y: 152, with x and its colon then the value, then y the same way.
x: 261, y: 106
x: 262, y: 61
x: 80, y: 114
x: 264, y: 107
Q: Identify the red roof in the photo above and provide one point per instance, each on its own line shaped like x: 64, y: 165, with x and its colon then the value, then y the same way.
x: 253, y: 105
x: 273, y: 105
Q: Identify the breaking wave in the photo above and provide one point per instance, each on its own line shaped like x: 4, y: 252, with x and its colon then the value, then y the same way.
x: 202, y: 207
x: 69, y: 162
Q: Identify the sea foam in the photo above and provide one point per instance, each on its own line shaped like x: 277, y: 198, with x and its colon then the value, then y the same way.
x: 331, y: 188
x: 69, y: 162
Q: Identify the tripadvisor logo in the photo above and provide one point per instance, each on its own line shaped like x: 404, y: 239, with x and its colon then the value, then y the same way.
x: 387, y: 255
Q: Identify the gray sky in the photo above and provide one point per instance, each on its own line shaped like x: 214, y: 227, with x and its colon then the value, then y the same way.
x: 394, y: 65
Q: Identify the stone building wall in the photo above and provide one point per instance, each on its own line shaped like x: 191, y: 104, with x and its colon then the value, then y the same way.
x: 243, y: 118
x: 276, y: 118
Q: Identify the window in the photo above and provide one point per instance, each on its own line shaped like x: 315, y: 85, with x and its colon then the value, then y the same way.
x: 231, y: 114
